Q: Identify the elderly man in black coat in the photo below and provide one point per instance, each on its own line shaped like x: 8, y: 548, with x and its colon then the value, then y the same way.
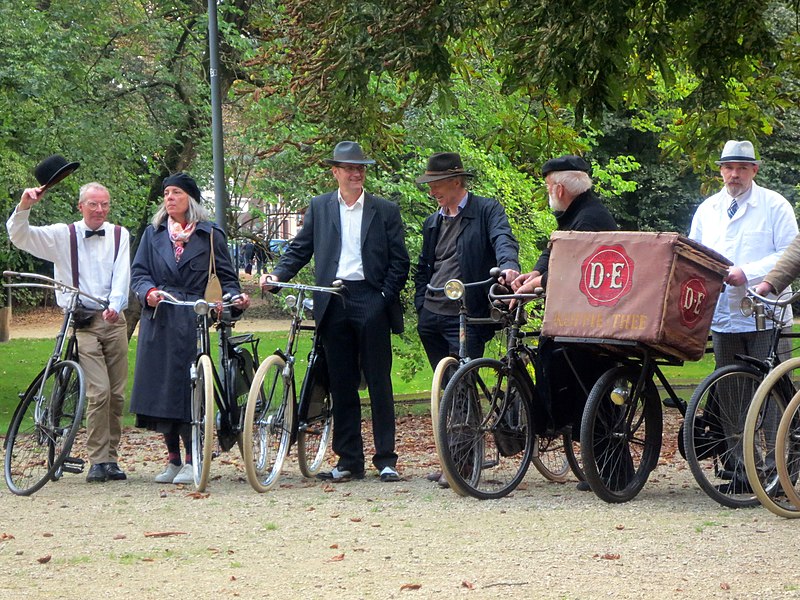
x: 355, y: 237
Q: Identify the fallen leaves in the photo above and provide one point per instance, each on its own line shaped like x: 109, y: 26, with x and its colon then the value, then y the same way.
x: 6, y: 536
x: 724, y: 586
x: 160, y: 534
x: 410, y: 586
x: 607, y: 556
x: 337, y: 558
x: 44, y: 559
x: 198, y: 495
x: 468, y: 584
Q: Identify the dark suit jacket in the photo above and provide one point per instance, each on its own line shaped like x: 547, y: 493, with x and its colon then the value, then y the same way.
x: 485, y: 241
x: 383, y: 250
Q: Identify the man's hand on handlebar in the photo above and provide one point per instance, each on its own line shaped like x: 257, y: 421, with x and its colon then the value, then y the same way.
x: 265, y: 286
x: 527, y: 283
x: 764, y: 289
x: 508, y: 276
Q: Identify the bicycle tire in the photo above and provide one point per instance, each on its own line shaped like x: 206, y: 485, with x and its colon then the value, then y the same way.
x: 36, y: 446
x: 550, y: 456
x: 787, y: 461
x: 573, y: 452
x: 620, y: 443
x: 313, y: 439
x: 442, y: 373
x: 766, y: 486
x: 712, y: 428
x: 487, y: 439
x: 203, y: 410
x: 268, y: 423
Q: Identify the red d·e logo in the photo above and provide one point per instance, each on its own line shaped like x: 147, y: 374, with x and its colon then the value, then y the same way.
x: 694, y: 299
x: 606, y: 276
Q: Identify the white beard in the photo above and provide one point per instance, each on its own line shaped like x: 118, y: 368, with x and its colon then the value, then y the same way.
x: 555, y: 205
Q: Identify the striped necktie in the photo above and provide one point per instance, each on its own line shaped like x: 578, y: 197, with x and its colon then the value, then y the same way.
x: 732, y: 208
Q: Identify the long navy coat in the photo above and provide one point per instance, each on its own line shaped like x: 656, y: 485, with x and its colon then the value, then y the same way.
x: 168, y: 344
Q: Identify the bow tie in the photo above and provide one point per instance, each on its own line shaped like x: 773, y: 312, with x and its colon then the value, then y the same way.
x: 90, y: 233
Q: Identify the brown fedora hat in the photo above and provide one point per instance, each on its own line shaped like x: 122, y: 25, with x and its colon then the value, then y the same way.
x: 349, y: 153
x: 443, y: 165
x: 53, y: 169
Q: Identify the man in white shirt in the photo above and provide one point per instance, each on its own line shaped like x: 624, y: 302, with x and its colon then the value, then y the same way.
x: 751, y: 226
x: 103, y: 269
x: 356, y: 237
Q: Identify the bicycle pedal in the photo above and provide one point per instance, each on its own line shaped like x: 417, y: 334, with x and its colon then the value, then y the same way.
x: 670, y: 403
x: 73, y: 464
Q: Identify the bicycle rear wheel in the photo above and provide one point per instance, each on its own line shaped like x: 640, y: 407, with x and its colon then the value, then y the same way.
x: 485, y: 429
x: 268, y: 423
x: 620, y: 434
x: 550, y: 456
x: 313, y: 438
x: 760, y: 433
x: 202, y: 421
x: 44, y: 427
x: 712, y: 433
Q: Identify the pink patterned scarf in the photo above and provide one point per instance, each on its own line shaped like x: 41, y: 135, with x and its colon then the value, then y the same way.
x: 179, y: 235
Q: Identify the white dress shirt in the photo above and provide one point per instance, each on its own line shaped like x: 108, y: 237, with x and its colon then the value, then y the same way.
x: 756, y: 236
x: 98, y: 273
x: 351, y: 267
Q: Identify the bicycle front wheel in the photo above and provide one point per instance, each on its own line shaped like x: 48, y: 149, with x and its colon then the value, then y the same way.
x: 760, y: 436
x: 268, y: 423
x: 441, y: 375
x: 44, y: 427
x: 788, y: 461
x: 203, y: 410
x: 620, y: 434
x: 485, y: 429
x: 712, y: 433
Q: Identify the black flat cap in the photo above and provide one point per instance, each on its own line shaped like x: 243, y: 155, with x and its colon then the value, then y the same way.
x: 568, y: 162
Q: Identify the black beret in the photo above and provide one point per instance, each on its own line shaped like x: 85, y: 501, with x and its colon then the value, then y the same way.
x: 183, y: 181
x: 569, y: 162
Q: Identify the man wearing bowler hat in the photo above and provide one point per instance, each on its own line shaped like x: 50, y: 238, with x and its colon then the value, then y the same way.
x: 751, y: 226
x: 576, y: 207
x: 357, y: 238
x: 93, y: 255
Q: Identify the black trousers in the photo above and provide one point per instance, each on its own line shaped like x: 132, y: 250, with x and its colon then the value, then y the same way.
x: 356, y: 335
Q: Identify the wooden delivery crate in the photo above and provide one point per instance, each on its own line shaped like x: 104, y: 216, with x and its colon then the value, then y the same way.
x: 659, y: 289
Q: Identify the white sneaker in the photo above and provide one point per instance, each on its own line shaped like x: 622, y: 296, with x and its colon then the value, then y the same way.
x: 185, y: 475
x: 169, y: 473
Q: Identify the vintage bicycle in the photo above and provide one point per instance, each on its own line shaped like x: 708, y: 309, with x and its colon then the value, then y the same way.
x: 47, y: 419
x: 492, y: 418
x: 770, y: 408
x: 274, y: 419
x: 219, y: 394
x: 715, y: 434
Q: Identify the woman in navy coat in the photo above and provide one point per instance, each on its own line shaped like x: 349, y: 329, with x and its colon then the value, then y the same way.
x: 173, y: 256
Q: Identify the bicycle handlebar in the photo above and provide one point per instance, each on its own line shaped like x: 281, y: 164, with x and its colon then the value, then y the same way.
x: 337, y: 287
x: 50, y: 284
x: 493, y: 295
x: 494, y: 275
x: 200, y: 306
x: 789, y: 299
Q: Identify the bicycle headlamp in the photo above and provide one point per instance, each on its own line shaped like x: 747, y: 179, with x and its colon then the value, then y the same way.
x: 747, y: 306
x: 201, y: 307
x: 291, y: 301
x: 454, y: 289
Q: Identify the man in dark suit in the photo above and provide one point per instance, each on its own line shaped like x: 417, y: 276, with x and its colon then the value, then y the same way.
x: 357, y: 238
x: 465, y: 238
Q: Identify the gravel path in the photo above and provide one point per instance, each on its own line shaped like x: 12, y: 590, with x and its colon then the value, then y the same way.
x: 366, y: 539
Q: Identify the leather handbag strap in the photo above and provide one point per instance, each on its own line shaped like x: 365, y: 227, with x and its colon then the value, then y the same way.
x: 212, y: 266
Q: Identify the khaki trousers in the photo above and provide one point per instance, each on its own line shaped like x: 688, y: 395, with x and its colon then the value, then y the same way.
x: 103, y: 355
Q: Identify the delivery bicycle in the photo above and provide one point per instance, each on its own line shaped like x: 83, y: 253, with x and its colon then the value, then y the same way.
x: 49, y: 414
x: 274, y: 418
